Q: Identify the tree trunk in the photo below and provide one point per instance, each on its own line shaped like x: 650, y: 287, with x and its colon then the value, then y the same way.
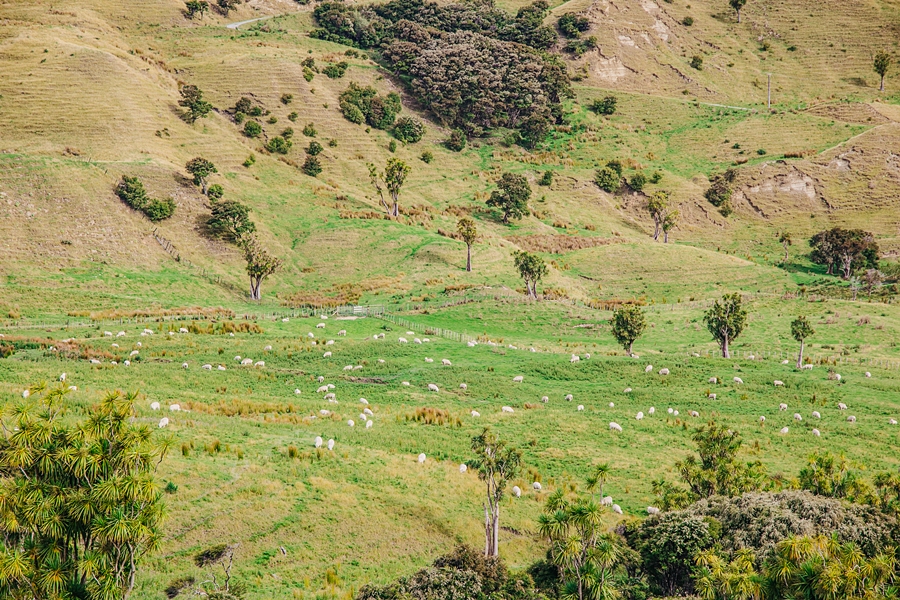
x: 204, y: 185
x: 468, y: 257
x: 785, y: 254
x: 725, y: 353
x: 496, y: 530
x: 881, y: 89
x: 830, y: 270
x: 487, y: 532
x: 665, y: 237
x: 254, y: 288
x: 800, y: 356
x: 739, y: 15
x: 630, y: 348
x: 656, y: 231
x: 396, y: 211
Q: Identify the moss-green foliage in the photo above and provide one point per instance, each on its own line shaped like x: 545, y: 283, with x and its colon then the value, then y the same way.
x: 364, y: 104
x: 312, y: 166
x: 336, y: 70
x: 132, y: 192
x: 409, y: 130
x: 572, y: 25
x: 607, y: 179
x: 456, y: 141
x: 252, y: 129
x: 279, y: 145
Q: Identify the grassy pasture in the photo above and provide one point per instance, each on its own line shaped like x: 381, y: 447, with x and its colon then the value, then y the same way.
x: 368, y: 510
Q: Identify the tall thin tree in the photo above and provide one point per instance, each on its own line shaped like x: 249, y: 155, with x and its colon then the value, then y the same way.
x: 497, y: 464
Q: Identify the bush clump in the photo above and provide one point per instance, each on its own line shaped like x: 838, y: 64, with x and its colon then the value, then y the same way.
x: 252, y: 129
x: 131, y: 191
x: 604, y: 106
x: 363, y: 104
x: 314, y: 148
x: 607, y: 179
x: 312, y: 166
x: 279, y: 145
x: 336, y: 71
x: 409, y: 130
x: 456, y: 141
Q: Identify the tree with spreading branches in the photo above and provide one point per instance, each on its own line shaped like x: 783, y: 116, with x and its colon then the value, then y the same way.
x: 881, y: 64
x: 468, y: 233
x: 496, y: 464
x: 628, y: 324
x: 511, y: 196
x: 260, y: 264
x: 201, y: 169
x: 726, y: 320
x: 737, y: 5
x: 394, y: 176
x: 192, y: 100
x: 801, y: 329
x: 532, y: 269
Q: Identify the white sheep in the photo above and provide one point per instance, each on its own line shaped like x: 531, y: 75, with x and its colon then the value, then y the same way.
x: 120, y: 334
x: 738, y: 380
x: 380, y: 361
x: 174, y: 407
x: 259, y: 363
x: 807, y: 367
x: 648, y: 368
x: 784, y: 430
x: 470, y: 344
x: 711, y: 396
x: 545, y: 399
x: 154, y: 406
x: 446, y: 362
x: 364, y: 417
x: 675, y: 413
x: 62, y: 377
x: 617, y: 509
x: 221, y: 368
x: 184, y: 365
x: 671, y: 410
x: 417, y: 341
x: 613, y: 426
x: 127, y: 363
x: 536, y: 486
x: 639, y: 416
x: 463, y: 468
x: 652, y: 410
x: 785, y: 362
x: 663, y: 371
x: 73, y: 388
x: 317, y: 442
x: 363, y: 401
x: 350, y: 422
x: 326, y: 355
x: 148, y: 331
x: 247, y: 362
x: 297, y: 391
x: 587, y: 355
x: 816, y: 432
x: 342, y: 332
x: 475, y: 413
x: 163, y: 422
x: 463, y: 386
x: 368, y: 411
x: 842, y: 406
x: 134, y: 353
x: 433, y: 387
x: 581, y: 407
x: 569, y: 397
x: 331, y: 444
x: 113, y: 345
x: 851, y: 419
x: 426, y: 340
x: 782, y: 406
x: 267, y: 348
x: 421, y: 458
x: 652, y: 510
x: 320, y: 379
x: 816, y: 414
x: 325, y: 413
x: 612, y: 404
x: 320, y: 326
x: 778, y: 383
x: 837, y: 376
x: 404, y: 383
x: 322, y: 390
x: 429, y: 360
x: 310, y: 335
x: 331, y: 398
x: 26, y: 393
x: 694, y: 413
x: 868, y: 374
x: 402, y: 340
x: 797, y: 417
x: 626, y: 391
x: 712, y: 380
x: 94, y: 361
x: 892, y: 421
x: 762, y: 419
x: 348, y: 368
x: 506, y: 409
x: 518, y: 379
x: 329, y: 343
x: 182, y: 330
x: 107, y: 333
x: 516, y: 491
x: 574, y: 358
x: 369, y: 424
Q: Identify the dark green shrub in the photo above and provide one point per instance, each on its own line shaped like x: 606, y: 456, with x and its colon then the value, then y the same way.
x: 293, y: 117
x: 314, y: 148
x: 615, y: 165
x: 312, y: 166
x: 697, y: 62
x: 761, y: 151
x: 230, y: 219
x: 244, y: 105
x: 157, y: 209
x: 604, y: 106
x: 288, y: 133
x: 409, y: 130
x: 256, y: 111
x: 456, y: 141
x: 656, y: 177
x: 392, y: 146
x: 546, y: 179
x: 687, y: 21
x: 309, y: 62
x: 336, y: 71
x: 363, y: 104
x: 353, y: 113
x: 308, y: 74
x: 272, y: 120
x: 215, y: 192
x: 132, y: 192
x: 252, y: 129
x: 239, y: 117
x: 719, y: 191
x: 572, y: 25
x: 427, y: 157
x: 607, y: 179
x: 332, y: 143
x: 309, y: 130
x: 287, y: 98
x: 251, y: 160
x: 637, y: 182
x: 667, y: 545
x: 278, y: 145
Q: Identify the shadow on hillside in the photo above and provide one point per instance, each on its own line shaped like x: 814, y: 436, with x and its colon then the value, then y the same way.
x: 857, y: 81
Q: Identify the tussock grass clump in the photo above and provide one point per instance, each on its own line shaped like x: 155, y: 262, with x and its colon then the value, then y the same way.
x: 434, y: 416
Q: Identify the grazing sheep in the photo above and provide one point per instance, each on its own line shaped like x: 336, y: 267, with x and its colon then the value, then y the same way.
x: 536, y: 486
x: 738, y: 380
x: 506, y: 409
x: 182, y: 330
x: 369, y: 424
x: 348, y: 368
x: 463, y: 386
x: 330, y: 397
x: 429, y: 360
x: 421, y: 458
x: 163, y: 422
x: 475, y: 413
x: 612, y: 404
x: 784, y: 430
x: 463, y: 468
x: 471, y: 344
x: 782, y: 406
x: 320, y: 326
x: 574, y: 358
x: 785, y: 362
x: 518, y: 379
x: 652, y: 410
x: 310, y: 335
x: 267, y: 349
x: 797, y: 417
x: 324, y: 412
x: 532, y: 350
x: 626, y: 391
x: 259, y: 363
x: 711, y: 396
x: 148, y: 331
x: 342, y: 332
x: 357, y: 367
x: 816, y: 414
x: 329, y: 343
x: 613, y: 426
x: 545, y: 399
x: 648, y: 368
x: 174, y: 407
x: 380, y: 361
x: 404, y: 383
x: 516, y: 491
x: 127, y: 363
x: 762, y: 419
x: 285, y: 320
x: 322, y: 390
x: 851, y: 419
x: 134, y: 353
x: 120, y: 334
x: 368, y: 411
x: 94, y: 361
x: 363, y: 401
x: 639, y: 416
x: 816, y: 432
x: 62, y: 377
x: 606, y: 501
x: 221, y: 368
x: 247, y: 362
x: 842, y: 406
x: 837, y: 376
x: 426, y: 340
x: 417, y: 341
x: 114, y: 345
x: 446, y: 362
x: 694, y: 413
x: 671, y: 410
x: 617, y: 509
x: 892, y: 421
x: 868, y: 374
x: 330, y: 386
x: 433, y: 388
x: 297, y: 391
x: 320, y: 379
x: 581, y: 407
x: 350, y: 422
x: 652, y: 510
x: 807, y: 367
x: 778, y: 383
x: 364, y: 417
x: 569, y: 397
x: 712, y: 380
x: 25, y: 393
x: 154, y: 406
x: 107, y: 333
x: 663, y: 371
x: 674, y: 413
x: 326, y: 355
x: 587, y: 355
x: 317, y: 442
x: 331, y: 444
